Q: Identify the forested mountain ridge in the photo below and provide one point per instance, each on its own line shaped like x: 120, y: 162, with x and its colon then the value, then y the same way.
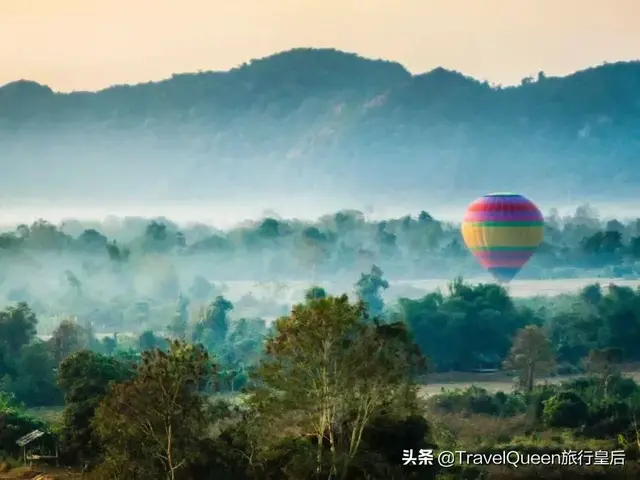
x: 327, y: 120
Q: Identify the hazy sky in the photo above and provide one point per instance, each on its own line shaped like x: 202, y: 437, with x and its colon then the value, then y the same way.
x: 90, y: 44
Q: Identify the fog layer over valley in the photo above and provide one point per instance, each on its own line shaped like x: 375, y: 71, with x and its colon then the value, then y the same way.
x: 131, y: 274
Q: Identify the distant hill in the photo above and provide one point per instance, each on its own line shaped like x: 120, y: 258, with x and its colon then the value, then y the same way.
x: 324, y: 122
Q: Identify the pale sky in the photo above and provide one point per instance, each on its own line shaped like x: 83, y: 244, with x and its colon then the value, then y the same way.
x: 91, y: 44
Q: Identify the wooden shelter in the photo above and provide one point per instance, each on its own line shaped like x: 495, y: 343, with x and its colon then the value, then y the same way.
x: 36, y: 451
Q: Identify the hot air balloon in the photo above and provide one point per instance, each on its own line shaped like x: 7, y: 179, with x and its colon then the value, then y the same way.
x: 503, y: 230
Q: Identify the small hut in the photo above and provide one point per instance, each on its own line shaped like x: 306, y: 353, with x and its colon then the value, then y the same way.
x: 38, y: 451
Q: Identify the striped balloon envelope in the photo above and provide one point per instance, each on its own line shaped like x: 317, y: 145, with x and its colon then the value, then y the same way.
x: 503, y: 230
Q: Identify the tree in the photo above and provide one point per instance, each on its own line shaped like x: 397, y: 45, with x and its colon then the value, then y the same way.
x: 314, y: 249
x: 117, y: 253
x: 565, y: 410
x: 34, y: 382
x: 84, y: 378
x: 213, y: 326
x: 151, y: 425
x: 423, y: 235
x: 166, y: 284
x: 109, y: 345
x: 68, y: 338
x: 73, y: 282
x: 147, y: 340
x: 156, y: 238
x: 92, y: 239
x: 314, y: 293
x: 604, y: 364
x: 17, y: 327
x: 180, y: 321
x: 369, y: 290
x: 14, y: 423
x: 470, y: 327
x: 245, y: 342
x: 328, y: 372
x: 531, y: 355
x: 386, y: 241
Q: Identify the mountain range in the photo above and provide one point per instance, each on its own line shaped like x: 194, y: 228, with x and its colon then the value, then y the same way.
x: 327, y: 125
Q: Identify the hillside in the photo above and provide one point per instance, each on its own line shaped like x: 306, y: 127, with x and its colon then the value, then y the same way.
x: 324, y: 123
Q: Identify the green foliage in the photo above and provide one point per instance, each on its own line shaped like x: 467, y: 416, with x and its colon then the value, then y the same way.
x: 387, y: 430
x: 565, y: 410
x: 315, y: 293
x: 17, y: 327
x: 152, y: 424
x: 213, y: 325
x: 180, y: 321
x: 328, y: 373
x: 34, y: 382
x: 311, y: 375
x: 405, y: 247
x: 369, y: 290
x: 85, y: 378
x: 531, y: 355
x: 365, y: 407
x: 149, y: 340
x: 68, y: 338
x: 469, y: 328
x: 477, y: 400
x: 14, y: 423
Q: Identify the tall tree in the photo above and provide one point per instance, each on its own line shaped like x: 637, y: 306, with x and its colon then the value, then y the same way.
x: 84, y: 378
x: 604, y: 364
x: 178, y: 327
x: 213, y: 326
x: 314, y: 249
x: 369, y: 290
x: 327, y: 373
x: 17, y: 327
x: 151, y: 425
x: 531, y: 355
x: 68, y: 338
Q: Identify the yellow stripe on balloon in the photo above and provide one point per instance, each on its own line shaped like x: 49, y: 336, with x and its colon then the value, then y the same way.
x: 477, y: 236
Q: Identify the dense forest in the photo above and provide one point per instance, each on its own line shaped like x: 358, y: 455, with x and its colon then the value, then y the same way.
x: 98, y: 270
x: 121, y: 342
x: 326, y: 124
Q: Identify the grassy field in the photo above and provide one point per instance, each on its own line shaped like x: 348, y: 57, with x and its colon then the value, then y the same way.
x: 495, y: 382
x: 289, y: 292
x: 40, y: 473
x: 52, y: 415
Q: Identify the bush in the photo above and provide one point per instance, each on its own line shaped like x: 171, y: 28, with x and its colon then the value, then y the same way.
x: 565, y: 410
x: 478, y: 401
x: 14, y: 423
x: 608, y: 419
x: 536, y: 399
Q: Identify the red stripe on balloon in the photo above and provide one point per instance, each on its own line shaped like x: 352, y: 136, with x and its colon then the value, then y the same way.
x: 509, y: 207
x: 510, y: 263
x: 502, y: 216
x: 502, y: 204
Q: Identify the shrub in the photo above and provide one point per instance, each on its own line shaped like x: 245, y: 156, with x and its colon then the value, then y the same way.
x: 478, y: 401
x: 565, y: 410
